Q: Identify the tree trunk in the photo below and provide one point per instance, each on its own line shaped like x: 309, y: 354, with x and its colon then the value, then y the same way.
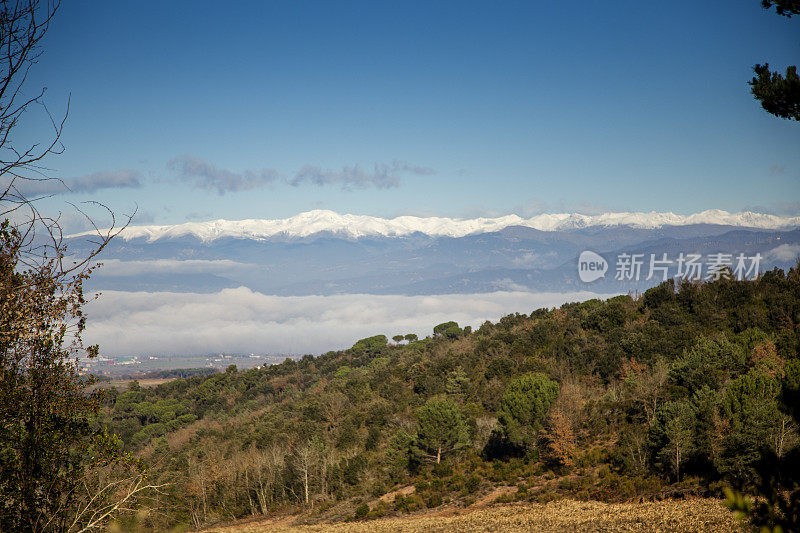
x: 781, y: 437
x: 261, y: 493
x: 305, y: 483
x: 203, y: 486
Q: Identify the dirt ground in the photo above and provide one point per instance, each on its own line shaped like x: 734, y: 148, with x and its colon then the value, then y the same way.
x: 564, y: 515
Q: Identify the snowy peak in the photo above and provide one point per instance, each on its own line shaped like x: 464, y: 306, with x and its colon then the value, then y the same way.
x: 356, y: 226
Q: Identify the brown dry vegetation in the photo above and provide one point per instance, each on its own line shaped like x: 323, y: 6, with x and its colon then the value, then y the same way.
x: 123, y: 384
x: 564, y: 515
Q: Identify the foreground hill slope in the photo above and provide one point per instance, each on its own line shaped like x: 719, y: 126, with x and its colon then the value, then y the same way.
x: 682, y: 392
x: 694, y: 515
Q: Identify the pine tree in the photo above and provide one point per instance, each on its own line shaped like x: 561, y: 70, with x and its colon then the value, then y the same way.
x: 779, y: 94
x: 524, y: 407
x: 441, y: 428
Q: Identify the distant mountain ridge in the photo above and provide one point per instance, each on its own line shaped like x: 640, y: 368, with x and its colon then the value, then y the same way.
x: 514, y: 258
x: 359, y: 226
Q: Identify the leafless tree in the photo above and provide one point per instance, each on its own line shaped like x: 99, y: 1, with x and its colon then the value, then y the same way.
x: 106, y: 495
x: 646, y: 385
x: 263, y: 468
x: 305, y: 458
x: 24, y: 178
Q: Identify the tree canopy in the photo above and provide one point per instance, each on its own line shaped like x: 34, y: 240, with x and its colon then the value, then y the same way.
x: 441, y: 428
x: 778, y: 93
x: 524, y: 407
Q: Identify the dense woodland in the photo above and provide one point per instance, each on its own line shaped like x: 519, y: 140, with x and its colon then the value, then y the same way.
x: 686, y: 389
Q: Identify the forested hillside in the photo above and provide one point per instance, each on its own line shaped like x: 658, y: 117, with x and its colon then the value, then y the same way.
x: 685, y: 390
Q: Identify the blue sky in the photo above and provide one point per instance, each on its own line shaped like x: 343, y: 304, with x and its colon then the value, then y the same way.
x: 200, y: 110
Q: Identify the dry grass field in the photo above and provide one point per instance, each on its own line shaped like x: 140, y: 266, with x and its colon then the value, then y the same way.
x: 565, y: 515
x: 122, y: 384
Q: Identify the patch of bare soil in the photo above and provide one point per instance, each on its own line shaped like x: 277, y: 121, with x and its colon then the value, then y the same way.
x: 390, y: 496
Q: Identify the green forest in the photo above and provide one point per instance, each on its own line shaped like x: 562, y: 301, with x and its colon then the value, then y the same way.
x: 684, y: 390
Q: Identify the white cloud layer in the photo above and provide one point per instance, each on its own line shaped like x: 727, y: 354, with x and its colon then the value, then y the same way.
x: 784, y: 253
x: 242, y: 321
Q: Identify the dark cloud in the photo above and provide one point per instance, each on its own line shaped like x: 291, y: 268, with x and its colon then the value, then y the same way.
x: 381, y: 176
x: 121, y: 179
x: 204, y: 175
x: 117, y: 179
x: 194, y: 215
x: 538, y: 206
x: 402, y: 166
x: 788, y: 208
x: 143, y: 217
x: 774, y: 170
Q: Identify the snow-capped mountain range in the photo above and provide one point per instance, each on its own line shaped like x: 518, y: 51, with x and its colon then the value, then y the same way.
x: 325, y: 253
x: 358, y: 226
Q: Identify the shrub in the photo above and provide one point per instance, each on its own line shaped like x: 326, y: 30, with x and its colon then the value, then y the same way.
x: 442, y: 470
x: 433, y: 500
x: 362, y: 510
x: 408, y: 504
x: 472, y: 484
x: 379, y: 511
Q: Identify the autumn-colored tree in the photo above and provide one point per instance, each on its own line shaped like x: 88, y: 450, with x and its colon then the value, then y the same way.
x: 765, y: 356
x: 561, y: 442
x: 58, y: 470
x: 565, y: 420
